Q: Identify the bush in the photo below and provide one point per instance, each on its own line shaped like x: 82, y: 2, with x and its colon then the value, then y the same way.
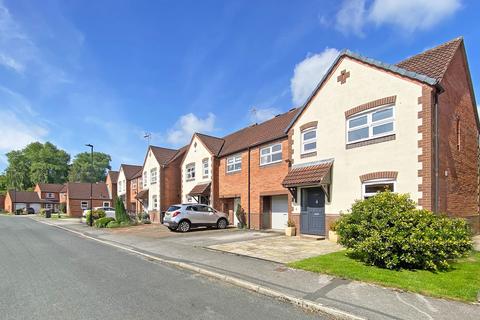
x: 241, y: 216
x: 62, y: 207
x: 120, y: 212
x: 388, y: 231
x: 145, y: 217
x: 42, y: 212
x: 97, y: 214
x: 102, y: 222
x: 113, y: 224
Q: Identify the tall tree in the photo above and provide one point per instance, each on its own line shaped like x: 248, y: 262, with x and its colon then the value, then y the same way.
x: 18, y: 171
x: 81, y: 168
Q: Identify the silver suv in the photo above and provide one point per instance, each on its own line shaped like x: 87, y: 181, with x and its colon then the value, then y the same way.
x: 182, y: 217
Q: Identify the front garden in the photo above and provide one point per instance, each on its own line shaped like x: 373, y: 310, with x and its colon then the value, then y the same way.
x: 122, y: 219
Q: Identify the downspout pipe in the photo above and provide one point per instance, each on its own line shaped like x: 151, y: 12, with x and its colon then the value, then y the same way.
x: 436, y: 149
x: 248, y: 187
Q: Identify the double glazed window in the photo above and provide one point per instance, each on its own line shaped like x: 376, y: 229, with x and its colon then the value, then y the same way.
x: 372, y: 124
x: 309, y: 140
x: 271, y: 154
x: 153, y: 176
x: 370, y: 188
x: 205, y: 168
x: 145, y: 179
x: 155, y: 201
x: 84, y: 205
x: 50, y: 195
x: 234, y: 163
x: 190, y: 169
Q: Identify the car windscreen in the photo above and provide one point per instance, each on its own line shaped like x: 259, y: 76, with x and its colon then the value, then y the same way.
x: 173, y: 208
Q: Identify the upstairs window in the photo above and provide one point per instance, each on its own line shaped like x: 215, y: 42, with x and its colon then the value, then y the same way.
x: 134, y: 184
x: 370, y: 188
x: 271, y: 154
x: 50, y: 195
x: 234, y: 163
x: 145, y: 179
x: 373, y: 124
x: 309, y: 140
x: 190, y: 171
x: 205, y: 168
x: 153, y: 176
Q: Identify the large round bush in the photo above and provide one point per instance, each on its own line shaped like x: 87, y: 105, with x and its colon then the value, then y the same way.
x: 388, y: 231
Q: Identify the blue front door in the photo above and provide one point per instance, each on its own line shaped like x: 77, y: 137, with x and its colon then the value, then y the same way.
x: 312, y: 217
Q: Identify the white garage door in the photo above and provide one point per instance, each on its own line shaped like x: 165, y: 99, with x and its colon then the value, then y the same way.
x: 20, y: 206
x: 279, y: 212
x: 36, y: 207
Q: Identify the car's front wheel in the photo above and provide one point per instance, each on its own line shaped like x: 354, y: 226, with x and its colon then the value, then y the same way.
x: 183, y: 226
x: 222, y: 223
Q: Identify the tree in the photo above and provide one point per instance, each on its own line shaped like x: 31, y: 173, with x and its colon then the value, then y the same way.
x: 81, y: 168
x: 18, y: 171
x: 3, y: 184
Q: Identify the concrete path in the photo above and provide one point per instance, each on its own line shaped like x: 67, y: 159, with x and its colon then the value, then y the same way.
x: 364, y: 300
x: 48, y: 273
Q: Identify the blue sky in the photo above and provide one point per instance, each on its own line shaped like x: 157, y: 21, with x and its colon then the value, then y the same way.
x: 105, y: 72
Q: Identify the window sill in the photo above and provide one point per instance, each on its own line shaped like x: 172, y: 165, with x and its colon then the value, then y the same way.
x: 270, y: 164
x: 233, y: 172
x: 308, y: 154
x: 188, y: 180
x: 370, y: 141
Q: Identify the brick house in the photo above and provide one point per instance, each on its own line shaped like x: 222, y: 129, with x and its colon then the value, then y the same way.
x: 16, y: 200
x: 111, y: 181
x: 125, y: 176
x: 76, y: 196
x: 136, y: 186
x: 161, y: 180
x: 411, y: 128
x: 50, y: 194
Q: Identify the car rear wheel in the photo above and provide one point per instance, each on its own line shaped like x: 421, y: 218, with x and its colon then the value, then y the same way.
x: 183, y: 226
x: 222, y: 224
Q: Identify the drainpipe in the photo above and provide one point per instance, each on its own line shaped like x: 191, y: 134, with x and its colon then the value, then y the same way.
x: 436, y: 151
x: 248, y: 197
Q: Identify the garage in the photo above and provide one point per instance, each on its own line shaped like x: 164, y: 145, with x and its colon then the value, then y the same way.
x: 36, y: 207
x: 279, y: 212
x: 20, y: 206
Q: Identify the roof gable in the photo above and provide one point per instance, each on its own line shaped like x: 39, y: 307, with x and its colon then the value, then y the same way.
x: 130, y: 170
x: 81, y: 190
x: 213, y: 144
x: 113, y: 175
x: 49, y: 187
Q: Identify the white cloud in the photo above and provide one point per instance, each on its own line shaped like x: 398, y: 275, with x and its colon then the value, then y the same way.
x: 309, y: 72
x: 351, y: 17
x: 258, y: 115
x: 11, y: 63
x: 18, y: 132
x: 187, y: 125
x: 408, y: 15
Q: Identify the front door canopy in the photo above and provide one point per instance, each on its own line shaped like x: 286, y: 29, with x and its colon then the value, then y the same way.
x: 312, y: 175
x: 200, y: 190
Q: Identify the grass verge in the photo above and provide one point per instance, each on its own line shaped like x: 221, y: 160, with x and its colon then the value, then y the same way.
x: 460, y: 282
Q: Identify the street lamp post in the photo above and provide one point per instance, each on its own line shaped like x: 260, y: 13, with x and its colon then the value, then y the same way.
x: 90, y: 222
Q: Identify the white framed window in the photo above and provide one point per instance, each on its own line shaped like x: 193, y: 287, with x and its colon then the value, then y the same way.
x: 145, y: 179
x: 271, y: 154
x: 153, y: 175
x: 106, y: 203
x: 48, y: 206
x: 190, y: 171
x: 372, y: 187
x: 155, y: 201
x: 84, y: 205
x: 50, y: 195
x: 309, y: 140
x: 372, y: 124
x: 205, y: 168
x: 189, y: 199
x: 134, y: 184
x: 234, y: 163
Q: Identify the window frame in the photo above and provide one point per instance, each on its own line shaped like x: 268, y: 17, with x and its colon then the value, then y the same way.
x: 145, y: 179
x: 271, y: 153
x: 134, y: 184
x: 82, y: 206
x: 188, y: 173
x: 48, y: 206
x: 107, y: 203
x: 371, y: 124
x: 50, y: 195
x: 205, y: 169
x: 155, y: 201
x: 234, y: 162
x: 304, y: 142
x: 153, y: 175
x: 366, y: 195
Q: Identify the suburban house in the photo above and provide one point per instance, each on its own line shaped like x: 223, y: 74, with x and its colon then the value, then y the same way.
x: 111, y: 181
x: 125, y: 176
x: 76, y: 196
x: 50, y: 194
x: 18, y: 200
x: 161, y: 180
x: 136, y: 185
x: 410, y: 127
x: 199, y: 170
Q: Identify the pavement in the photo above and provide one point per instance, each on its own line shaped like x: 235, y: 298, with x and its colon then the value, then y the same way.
x: 357, y: 298
x: 49, y: 273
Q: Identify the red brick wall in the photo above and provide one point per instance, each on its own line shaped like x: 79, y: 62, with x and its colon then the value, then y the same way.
x: 112, y: 187
x: 233, y: 185
x: 74, y: 208
x: 170, y: 184
x: 458, y: 168
x: 8, y: 203
x: 2, y: 202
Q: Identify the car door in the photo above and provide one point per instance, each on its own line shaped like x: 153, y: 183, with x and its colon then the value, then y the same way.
x: 194, y: 215
x: 210, y: 215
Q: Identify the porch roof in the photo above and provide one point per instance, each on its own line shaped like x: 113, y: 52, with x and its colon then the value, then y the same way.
x: 142, y: 194
x: 308, y: 175
x: 200, y: 190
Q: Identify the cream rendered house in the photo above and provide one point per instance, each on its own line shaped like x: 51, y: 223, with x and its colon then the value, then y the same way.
x: 369, y: 126
x: 198, y: 169
x: 125, y: 175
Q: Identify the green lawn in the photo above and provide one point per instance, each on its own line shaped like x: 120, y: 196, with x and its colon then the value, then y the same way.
x: 462, y: 282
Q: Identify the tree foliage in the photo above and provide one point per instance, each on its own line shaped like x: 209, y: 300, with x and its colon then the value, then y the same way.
x: 81, y: 168
x: 120, y: 212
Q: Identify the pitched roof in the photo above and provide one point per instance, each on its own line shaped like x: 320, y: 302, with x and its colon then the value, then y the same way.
x: 202, y: 189
x: 180, y: 153
x: 24, y: 196
x: 113, y: 175
x: 138, y: 174
x: 81, y: 190
x: 50, y: 187
x: 213, y: 144
x: 433, y: 62
x: 307, y: 175
x: 258, y: 133
x: 129, y: 170
x: 163, y: 155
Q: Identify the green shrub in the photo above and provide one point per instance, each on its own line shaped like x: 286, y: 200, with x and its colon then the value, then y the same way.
x: 102, y: 222
x: 388, y: 231
x: 97, y: 214
x: 42, y: 212
x: 113, y: 224
x: 241, y: 216
x: 120, y: 212
x: 124, y: 224
x: 62, y: 207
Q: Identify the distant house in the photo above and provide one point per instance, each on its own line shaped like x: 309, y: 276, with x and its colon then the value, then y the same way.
x: 50, y: 194
x: 19, y: 200
x: 136, y: 186
x: 111, y: 181
x: 126, y: 173
x: 76, y: 196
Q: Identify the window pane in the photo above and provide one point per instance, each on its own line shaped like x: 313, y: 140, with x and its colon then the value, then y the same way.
x: 309, y: 135
x: 229, y: 160
x: 357, y: 121
x: 358, y: 134
x: 264, y: 159
x: 238, y: 158
x: 382, y: 114
x: 276, y: 156
x: 276, y: 147
x: 265, y: 151
x: 238, y: 166
x: 384, y: 128
x: 310, y: 146
x: 230, y: 167
x: 374, y: 188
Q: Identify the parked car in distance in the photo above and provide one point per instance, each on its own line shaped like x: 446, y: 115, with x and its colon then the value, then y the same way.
x: 28, y: 210
x: 109, y: 211
x: 183, y: 217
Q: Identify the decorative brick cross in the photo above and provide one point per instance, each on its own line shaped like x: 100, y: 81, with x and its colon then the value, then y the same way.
x: 342, y: 78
